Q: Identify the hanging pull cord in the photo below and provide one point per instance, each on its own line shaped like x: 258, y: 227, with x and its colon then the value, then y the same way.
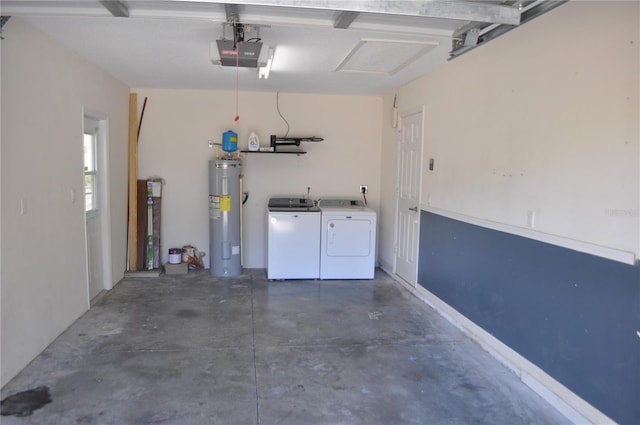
x: 237, y: 118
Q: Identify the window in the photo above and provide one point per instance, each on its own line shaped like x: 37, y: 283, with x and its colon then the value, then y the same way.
x: 90, y: 171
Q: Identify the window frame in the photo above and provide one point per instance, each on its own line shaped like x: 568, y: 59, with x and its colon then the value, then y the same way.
x: 92, y: 132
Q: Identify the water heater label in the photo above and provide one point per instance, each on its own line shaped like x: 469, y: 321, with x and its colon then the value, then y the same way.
x: 214, y: 206
x: 225, y: 202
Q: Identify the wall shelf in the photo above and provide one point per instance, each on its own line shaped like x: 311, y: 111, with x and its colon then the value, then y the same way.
x: 286, y: 141
x: 278, y: 152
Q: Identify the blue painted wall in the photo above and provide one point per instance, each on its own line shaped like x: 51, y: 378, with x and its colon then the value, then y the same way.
x: 574, y: 315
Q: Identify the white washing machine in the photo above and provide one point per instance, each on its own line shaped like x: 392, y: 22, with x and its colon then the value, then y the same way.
x: 293, y: 239
x: 347, y: 239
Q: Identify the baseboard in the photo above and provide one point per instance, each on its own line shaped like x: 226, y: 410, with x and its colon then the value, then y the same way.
x: 564, y: 400
x: 386, y: 267
x: 143, y: 273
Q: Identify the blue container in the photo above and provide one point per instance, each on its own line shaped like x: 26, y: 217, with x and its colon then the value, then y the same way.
x: 229, y: 141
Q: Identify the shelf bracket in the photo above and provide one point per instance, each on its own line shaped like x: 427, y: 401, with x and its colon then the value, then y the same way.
x: 291, y: 141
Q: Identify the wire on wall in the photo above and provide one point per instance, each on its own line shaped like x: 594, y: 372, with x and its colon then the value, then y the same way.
x: 279, y: 113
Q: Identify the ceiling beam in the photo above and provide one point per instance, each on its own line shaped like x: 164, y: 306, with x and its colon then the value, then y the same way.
x: 116, y: 7
x: 445, y: 9
x: 344, y: 19
x: 231, y: 10
x: 3, y: 20
x: 464, y: 10
x: 471, y: 36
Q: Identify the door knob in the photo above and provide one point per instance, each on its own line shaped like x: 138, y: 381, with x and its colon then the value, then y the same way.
x: 414, y: 209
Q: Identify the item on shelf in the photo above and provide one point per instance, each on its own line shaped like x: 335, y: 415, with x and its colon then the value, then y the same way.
x: 291, y: 141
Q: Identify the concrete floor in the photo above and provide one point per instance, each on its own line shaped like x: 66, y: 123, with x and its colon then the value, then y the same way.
x: 199, y: 350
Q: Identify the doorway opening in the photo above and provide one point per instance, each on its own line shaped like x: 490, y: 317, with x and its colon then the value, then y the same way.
x: 408, y: 183
x: 96, y: 204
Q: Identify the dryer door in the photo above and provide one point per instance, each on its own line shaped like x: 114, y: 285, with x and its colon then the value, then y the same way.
x: 349, y: 237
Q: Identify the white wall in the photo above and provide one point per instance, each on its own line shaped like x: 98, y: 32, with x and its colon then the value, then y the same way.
x: 543, y: 119
x: 44, y: 277
x: 173, y: 144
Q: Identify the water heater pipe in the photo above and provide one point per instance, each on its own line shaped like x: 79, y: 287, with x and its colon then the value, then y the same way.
x: 241, y: 239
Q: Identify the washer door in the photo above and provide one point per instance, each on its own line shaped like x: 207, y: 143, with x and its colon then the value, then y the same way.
x: 348, y: 237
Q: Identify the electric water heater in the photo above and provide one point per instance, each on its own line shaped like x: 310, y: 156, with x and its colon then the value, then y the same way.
x: 224, y: 217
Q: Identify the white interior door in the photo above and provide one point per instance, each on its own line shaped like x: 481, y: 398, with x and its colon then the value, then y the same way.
x: 92, y: 206
x: 408, y: 196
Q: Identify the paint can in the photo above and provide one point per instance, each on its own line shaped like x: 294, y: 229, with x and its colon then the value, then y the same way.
x: 175, y: 255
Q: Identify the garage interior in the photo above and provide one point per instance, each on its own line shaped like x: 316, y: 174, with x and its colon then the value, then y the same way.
x: 524, y: 232
x: 246, y: 350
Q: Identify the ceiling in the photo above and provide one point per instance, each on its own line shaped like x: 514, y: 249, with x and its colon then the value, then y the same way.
x: 166, y: 43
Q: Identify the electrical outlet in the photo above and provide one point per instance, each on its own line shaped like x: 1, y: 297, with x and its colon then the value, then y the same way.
x: 364, y: 188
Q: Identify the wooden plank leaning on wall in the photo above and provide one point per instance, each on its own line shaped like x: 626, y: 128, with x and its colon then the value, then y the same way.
x: 133, y: 198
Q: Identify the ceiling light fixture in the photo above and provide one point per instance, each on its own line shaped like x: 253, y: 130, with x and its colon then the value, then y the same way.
x: 263, y: 71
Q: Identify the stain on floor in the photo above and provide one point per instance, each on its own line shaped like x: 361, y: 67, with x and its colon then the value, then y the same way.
x: 26, y: 402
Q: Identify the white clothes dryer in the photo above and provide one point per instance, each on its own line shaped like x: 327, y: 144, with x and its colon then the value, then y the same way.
x: 347, y: 239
